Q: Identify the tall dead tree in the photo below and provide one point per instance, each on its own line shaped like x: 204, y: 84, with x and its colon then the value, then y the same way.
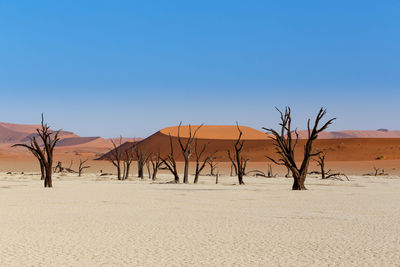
x: 240, y: 161
x: 142, y: 157
x: 127, y: 158
x: 156, y: 162
x: 170, y: 163
x: 43, y: 152
x: 82, y: 166
x: 200, y: 163
x: 186, y: 149
x: 115, y: 156
x: 285, y: 145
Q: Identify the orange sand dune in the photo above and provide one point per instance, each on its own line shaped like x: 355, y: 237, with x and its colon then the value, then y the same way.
x: 221, y: 139
x: 229, y: 132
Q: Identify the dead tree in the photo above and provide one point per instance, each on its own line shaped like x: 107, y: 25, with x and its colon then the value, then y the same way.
x: 127, y: 159
x: 377, y: 172
x: 270, y: 172
x: 115, y: 156
x: 233, y: 163
x: 321, y: 163
x: 285, y: 146
x: 148, y: 167
x: 142, y: 157
x: 156, y: 162
x: 240, y: 161
x: 43, y: 152
x: 186, y: 149
x: 200, y: 163
x: 212, y: 164
x: 60, y: 168
x: 327, y: 174
x: 82, y: 166
x: 170, y: 163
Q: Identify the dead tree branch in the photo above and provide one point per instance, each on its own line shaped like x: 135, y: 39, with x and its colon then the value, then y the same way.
x: 82, y: 166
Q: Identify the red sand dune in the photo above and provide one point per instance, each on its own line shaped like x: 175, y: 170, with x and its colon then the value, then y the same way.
x: 257, y: 144
x: 216, y: 132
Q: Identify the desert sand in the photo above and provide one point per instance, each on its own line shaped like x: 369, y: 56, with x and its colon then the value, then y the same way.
x: 95, y: 220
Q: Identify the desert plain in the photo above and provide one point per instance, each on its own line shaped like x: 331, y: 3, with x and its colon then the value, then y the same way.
x: 97, y: 220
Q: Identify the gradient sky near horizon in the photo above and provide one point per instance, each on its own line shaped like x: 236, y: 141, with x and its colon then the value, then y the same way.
x: 110, y: 68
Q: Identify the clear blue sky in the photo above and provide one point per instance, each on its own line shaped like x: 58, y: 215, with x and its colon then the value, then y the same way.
x: 132, y: 67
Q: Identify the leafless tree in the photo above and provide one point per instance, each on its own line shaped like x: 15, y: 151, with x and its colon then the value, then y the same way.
x: 200, y: 160
x: 377, y: 172
x: 240, y: 161
x: 233, y: 163
x: 285, y: 146
x: 212, y: 164
x: 170, y: 163
x: 148, y: 167
x: 186, y: 149
x: 127, y: 158
x: 270, y: 172
x: 82, y: 166
x: 142, y: 157
x: 156, y: 162
x: 115, y: 156
x: 59, y: 168
x: 44, y: 153
x: 328, y: 174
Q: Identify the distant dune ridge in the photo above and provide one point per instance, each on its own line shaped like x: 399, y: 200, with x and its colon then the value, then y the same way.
x: 11, y: 133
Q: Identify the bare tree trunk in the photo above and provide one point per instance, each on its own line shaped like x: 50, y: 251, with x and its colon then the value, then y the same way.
x: 196, y: 178
x: 298, y: 182
x: 119, y: 173
x: 128, y: 166
x: 186, y: 171
x: 148, y: 168
x: 154, y: 174
x: 48, y: 182
x: 42, y: 170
